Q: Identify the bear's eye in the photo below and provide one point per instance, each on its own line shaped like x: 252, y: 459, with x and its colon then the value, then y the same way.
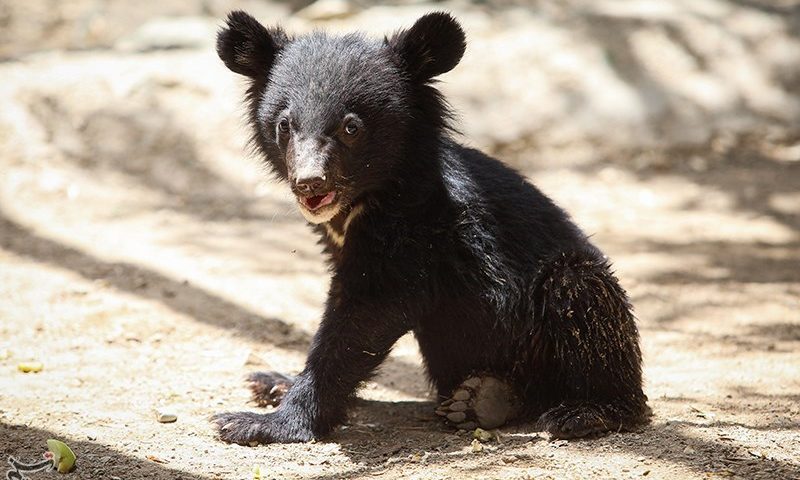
x: 351, y: 128
x: 283, y: 125
x: 351, y: 124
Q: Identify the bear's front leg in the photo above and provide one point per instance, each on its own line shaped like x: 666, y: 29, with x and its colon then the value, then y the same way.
x: 349, y: 345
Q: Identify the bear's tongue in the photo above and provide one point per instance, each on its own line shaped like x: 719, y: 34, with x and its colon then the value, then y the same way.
x: 318, y: 201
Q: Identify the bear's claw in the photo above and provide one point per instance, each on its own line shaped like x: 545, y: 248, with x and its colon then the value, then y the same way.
x: 269, y: 388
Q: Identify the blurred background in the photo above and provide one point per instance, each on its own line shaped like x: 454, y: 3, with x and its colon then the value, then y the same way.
x: 146, y: 259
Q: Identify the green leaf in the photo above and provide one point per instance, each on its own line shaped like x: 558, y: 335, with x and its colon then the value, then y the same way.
x: 63, y: 457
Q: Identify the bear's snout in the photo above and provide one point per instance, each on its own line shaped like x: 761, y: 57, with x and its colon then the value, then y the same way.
x: 309, y: 163
x: 312, y: 181
x: 310, y: 186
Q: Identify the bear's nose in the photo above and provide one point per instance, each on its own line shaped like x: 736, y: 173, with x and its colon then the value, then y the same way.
x: 310, y: 186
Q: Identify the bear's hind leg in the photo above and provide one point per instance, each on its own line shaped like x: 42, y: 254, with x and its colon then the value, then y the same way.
x: 587, y: 349
x: 480, y: 401
x: 585, y: 419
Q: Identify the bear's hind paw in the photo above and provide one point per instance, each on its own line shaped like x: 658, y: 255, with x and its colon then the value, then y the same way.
x: 485, y: 402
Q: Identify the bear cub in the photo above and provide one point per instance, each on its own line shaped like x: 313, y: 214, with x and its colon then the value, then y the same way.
x: 517, y: 314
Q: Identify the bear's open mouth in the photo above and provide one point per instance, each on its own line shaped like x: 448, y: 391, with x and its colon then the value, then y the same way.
x: 318, y: 201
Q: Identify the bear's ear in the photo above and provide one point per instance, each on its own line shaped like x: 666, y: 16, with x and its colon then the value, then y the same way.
x: 247, y: 47
x: 434, y: 45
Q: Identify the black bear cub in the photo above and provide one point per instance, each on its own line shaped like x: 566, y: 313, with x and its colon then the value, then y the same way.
x: 517, y: 314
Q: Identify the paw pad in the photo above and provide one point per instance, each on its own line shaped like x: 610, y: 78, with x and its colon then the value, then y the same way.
x: 480, y: 401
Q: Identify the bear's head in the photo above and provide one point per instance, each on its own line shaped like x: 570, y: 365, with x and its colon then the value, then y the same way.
x: 336, y: 116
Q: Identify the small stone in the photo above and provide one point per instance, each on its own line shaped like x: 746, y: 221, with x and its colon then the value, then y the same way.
x: 476, y: 446
x: 461, y: 395
x: 30, y: 367
x: 473, y: 382
x: 467, y: 425
x: 165, y: 416
x: 689, y: 450
x: 441, y: 413
x: 253, y: 359
x: 457, y: 417
x: 458, y: 407
x: 482, y: 435
x: 756, y: 453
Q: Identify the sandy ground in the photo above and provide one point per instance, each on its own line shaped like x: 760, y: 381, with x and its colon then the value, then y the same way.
x: 147, y: 262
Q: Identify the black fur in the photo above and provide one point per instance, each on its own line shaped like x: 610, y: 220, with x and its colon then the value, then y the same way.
x: 449, y: 243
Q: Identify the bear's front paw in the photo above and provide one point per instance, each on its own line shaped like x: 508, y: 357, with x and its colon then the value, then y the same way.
x: 244, y: 428
x: 248, y: 428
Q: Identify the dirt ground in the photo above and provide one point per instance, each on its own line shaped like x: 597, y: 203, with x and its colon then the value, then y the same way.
x: 147, y: 262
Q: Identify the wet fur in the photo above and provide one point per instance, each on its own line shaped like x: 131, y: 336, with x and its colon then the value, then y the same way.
x: 451, y: 244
